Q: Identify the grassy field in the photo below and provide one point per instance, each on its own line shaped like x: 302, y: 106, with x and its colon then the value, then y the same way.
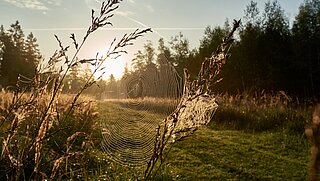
x: 247, y: 139
x: 233, y: 149
x: 237, y: 155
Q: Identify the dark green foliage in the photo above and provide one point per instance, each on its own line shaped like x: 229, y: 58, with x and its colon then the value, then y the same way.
x: 262, y: 54
x: 268, y: 54
x: 19, y: 56
x: 306, y: 35
x: 180, y: 52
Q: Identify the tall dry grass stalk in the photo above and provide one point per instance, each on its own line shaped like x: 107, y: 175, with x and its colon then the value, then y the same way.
x: 25, y: 137
x: 35, y: 113
x: 313, y: 133
x: 197, y: 104
x: 261, y: 99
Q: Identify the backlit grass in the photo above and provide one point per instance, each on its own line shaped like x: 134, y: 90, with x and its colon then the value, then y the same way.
x: 237, y: 155
x: 262, y: 142
x: 242, y: 142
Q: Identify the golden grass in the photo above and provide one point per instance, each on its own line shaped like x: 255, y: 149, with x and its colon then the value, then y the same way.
x: 28, y: 132
x: 152, y: 104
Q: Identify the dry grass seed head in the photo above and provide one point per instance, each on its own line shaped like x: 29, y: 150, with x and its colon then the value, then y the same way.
x: 316, y: 115
x: 56, y: 166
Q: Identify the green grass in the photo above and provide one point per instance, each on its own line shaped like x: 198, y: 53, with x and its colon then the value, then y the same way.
x: 261, y: 119
x: 242, y: 142
x: 227, y: 150
x: 238, y: 155
x: 110, y: 115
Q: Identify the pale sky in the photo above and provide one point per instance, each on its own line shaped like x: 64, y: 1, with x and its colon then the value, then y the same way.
x: 167, y: 17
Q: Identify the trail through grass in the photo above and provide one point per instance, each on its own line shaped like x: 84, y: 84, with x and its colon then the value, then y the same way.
x: 237, y: 155
x: 222, y: 154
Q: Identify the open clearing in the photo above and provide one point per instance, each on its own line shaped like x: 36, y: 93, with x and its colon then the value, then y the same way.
x: 222, y: 154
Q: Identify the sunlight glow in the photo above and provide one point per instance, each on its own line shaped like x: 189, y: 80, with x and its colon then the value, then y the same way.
x: 113, y: 66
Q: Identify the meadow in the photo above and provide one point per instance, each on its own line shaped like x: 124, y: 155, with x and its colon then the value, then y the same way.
x: 47, y: 134
x: 251, y: 137
x: 257, y: 136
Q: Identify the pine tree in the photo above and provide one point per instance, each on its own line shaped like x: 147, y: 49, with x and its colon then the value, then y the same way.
x: 13, y: 56
x: 33, y: 54
x: 138, y: 62
x: 18, y: 56
x: 180, y: 52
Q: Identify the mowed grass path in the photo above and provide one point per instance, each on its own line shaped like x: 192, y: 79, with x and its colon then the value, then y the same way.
x: 221, y: 154
x: 236, y: 155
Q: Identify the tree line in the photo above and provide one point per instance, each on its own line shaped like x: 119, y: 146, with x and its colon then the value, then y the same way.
x: 268, y: 53
x: 19, y: 55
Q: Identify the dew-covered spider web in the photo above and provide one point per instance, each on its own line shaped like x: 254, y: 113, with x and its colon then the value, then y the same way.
x: 140, y: 101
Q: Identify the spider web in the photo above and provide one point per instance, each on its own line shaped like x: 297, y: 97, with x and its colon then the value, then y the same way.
x: 143, y: 100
